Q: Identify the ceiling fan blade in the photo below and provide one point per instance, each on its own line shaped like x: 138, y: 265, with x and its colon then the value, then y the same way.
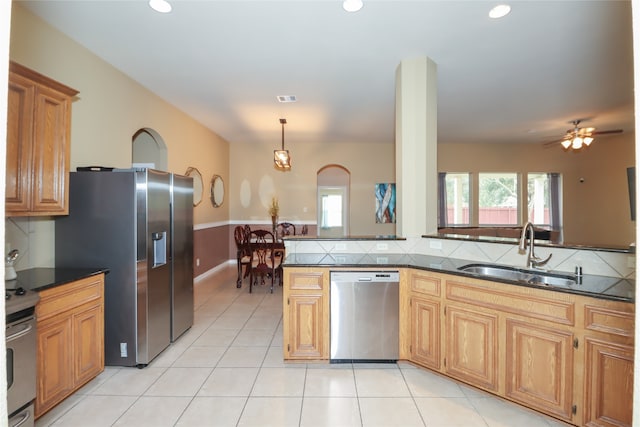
x: 557, y: 141
x: 604, y: 132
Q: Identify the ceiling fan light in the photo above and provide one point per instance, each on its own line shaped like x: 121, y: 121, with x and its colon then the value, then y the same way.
x: 352, y: 5
x: 566, y: 143
x: 587, y: 141
x: 576, y: 144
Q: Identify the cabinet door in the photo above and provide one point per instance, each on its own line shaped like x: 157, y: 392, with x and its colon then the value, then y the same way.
x: 54, y: 363
x: 305, y: 338
x: 608, y: 399
x: 539, y: 367
x: 19, y: 144
x: 425, y: 332
x: 88, y: 351
x: 50, y: 151
x: 472, y: 347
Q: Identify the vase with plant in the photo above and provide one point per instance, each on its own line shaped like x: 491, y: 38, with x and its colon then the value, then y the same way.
x: 274, y: 209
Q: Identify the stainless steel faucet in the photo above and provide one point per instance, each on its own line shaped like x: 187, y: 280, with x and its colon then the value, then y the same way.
x: 532, y: 260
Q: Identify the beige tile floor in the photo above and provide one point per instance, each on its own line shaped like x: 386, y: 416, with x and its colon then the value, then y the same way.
x: 227, y: 370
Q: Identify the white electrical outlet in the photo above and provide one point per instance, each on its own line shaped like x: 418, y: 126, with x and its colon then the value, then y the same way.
x: 435, y: 244
x: 382, y: 260
x: 123, y: 349
x: 382, y: 246
x: 197, y: 262
x: 341, y: 246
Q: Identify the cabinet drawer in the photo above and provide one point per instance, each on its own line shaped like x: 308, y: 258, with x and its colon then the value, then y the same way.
x: 609, y: 320
x: 521, y: 301
x: 66, y: 297
x: 424, y: 284
x: 306, y: 280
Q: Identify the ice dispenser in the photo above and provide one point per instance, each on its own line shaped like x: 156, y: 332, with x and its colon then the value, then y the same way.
x: 159, y: 248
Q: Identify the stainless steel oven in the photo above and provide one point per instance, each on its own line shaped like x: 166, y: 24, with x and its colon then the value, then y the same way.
x: 21, y: 357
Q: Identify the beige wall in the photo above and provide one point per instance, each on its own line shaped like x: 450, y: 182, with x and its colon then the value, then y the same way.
x: 111, y: 107
x: 254, y: 181
x: 109, y: 110
x: 596, y: 211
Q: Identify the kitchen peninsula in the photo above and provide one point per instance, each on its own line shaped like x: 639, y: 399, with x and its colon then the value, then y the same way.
x: 564, y: 351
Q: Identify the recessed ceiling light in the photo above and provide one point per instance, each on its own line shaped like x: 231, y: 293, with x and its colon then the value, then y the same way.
x: 352, y: 5
x: 286, y: 98
x: 499, y: 11
x: 161, y: 6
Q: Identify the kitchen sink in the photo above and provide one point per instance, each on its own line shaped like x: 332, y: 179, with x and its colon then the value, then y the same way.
x: 532, y: 277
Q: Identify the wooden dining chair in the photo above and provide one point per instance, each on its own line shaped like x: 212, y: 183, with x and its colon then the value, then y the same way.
x: 264, y: 262
x: 243, y: 252
x: 285, y: 229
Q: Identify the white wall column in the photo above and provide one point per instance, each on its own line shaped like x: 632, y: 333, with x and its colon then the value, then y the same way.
x: 416, y: 147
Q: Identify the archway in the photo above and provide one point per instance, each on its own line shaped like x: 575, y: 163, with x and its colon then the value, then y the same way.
x: 333, y: 185
x: 149, y: 150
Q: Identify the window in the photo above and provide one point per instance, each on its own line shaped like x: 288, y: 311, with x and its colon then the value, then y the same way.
x: 543, y: 199
x: 454, y: 201
x: 498, y: 199
x: 331, y: 210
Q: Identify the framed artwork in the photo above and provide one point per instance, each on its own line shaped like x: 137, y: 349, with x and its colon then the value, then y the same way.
x: 385, y: 203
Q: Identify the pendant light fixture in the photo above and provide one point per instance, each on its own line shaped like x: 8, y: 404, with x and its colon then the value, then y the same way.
x: 281, y: 158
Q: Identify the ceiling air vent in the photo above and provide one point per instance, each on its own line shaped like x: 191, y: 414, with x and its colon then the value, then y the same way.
x: 286, y: 98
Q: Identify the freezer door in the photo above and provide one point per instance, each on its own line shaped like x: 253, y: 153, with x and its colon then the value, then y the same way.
x: 154, y: 272
x: 181, y: 255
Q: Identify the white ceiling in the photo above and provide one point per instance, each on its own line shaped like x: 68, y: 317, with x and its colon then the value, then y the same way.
x: 517, y: 79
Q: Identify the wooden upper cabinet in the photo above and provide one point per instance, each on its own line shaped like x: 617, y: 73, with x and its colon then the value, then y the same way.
x: 38, y: 144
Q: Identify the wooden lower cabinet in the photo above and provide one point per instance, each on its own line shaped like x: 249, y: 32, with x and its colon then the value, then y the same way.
x: 424, y: 321
x: 566, y: 355
x: 539, y: 367
x: 306, y: 314
x: 425, y: 332
x: 70, y: 349
x: 608, y: 384
x: 471, y: 348
x: 608, y: 363
x: 54, y: 363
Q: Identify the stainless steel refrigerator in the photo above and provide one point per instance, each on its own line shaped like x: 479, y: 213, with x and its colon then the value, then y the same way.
x: 126, y: 220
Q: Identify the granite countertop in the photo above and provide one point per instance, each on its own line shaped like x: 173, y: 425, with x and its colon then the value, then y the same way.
x: 613, y: 288
x: 362, y: 237
x: 38, y: 279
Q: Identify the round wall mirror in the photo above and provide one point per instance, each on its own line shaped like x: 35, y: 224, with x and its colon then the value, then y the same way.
x: 198, y: 186
x: 217, y: 191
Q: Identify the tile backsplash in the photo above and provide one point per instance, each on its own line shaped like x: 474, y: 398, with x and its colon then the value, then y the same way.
x: 600, y: 263
x: 33, y: 237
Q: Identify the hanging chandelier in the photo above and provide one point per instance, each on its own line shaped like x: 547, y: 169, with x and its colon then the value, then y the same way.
x: 281, y: 158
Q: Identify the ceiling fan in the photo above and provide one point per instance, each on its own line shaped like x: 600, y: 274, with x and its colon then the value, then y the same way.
x: 578, y: 137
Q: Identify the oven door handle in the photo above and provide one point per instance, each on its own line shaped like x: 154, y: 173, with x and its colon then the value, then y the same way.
x: 23, y: 420
x: 27, y: 328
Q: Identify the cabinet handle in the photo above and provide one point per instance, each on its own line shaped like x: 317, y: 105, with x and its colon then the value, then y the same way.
x: 575, y: 343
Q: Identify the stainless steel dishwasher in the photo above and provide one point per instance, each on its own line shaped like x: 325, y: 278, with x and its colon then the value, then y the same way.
x: 364, y: 316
